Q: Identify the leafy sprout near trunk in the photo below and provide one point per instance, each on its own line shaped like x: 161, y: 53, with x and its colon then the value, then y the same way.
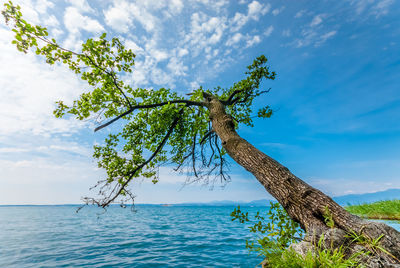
x: 275, y: 231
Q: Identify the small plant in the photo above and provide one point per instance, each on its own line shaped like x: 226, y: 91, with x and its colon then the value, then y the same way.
x: 276, y: 231
x: 334, y: 258
x: 328, y: 218
x: 373, y: 245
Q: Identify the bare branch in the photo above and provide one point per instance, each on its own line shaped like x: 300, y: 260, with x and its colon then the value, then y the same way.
x: 213, y: 152
x: 206, y: 136
x: 221, y: 163
x: 194, y: 156
x: 182, y: 162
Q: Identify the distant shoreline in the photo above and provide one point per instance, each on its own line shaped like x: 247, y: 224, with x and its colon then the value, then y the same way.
x: 381, y: 210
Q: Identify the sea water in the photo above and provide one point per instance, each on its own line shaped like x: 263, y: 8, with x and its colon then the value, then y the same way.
x: 154, y: 236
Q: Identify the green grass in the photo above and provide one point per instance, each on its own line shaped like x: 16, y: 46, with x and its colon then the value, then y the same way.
x: 383, y: 210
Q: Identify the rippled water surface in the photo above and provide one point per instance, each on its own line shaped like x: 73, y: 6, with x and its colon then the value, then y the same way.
x: 154, y: 236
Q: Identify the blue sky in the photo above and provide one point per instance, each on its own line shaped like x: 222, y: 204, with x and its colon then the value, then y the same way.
x: 336, y: 96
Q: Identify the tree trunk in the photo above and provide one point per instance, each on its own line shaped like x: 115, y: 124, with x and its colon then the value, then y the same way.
x: 303, y: 203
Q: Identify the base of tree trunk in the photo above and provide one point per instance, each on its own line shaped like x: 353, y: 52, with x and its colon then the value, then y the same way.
x: 381, y: 241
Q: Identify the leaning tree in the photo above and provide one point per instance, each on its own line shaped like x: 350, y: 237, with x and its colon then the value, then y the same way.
x: 195, y: 132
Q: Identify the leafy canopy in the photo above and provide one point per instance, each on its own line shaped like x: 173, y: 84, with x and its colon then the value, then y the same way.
x: 161, y: 126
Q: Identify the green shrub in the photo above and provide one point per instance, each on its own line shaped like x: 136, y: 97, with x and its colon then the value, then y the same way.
x: 276, y: 231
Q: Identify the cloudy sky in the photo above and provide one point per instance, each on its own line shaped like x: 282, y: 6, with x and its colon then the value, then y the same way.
x: 336, y: 96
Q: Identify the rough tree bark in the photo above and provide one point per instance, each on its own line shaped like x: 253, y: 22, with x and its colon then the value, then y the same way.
x: 304, y: 204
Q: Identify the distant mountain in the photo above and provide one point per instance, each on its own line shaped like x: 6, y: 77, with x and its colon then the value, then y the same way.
x: 355, y: 199
x: 261, y: 202
x: 350, y: 199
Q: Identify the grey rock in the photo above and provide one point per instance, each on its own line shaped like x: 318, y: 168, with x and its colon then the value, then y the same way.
x: 303, y: 248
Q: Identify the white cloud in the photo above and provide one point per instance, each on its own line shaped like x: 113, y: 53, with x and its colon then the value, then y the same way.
x: 161, y: 78
x: 177, y: 67
x: 205, y: 31
x: 21, y: 147
x: 194, y: 85
x: 118, y: 17
x: 13, y: 150
x: 239, y: 20
x: 29, y: 88
x: 176, y: 6
x: 300, y: 14
x: 130, y: 44
x: 276, y: 11
x: 253, y: 41
x: 42, y: 5
x: 51, y: 21
x: 234, y: 39
x: 74, y: 22
x: 29, y: 12
x: 159, y: 55
x: 382, y: 8
x: 143, y: 16
x: 269, y: 31
x: 376, y: 8
x: 255, y: 10
x: 216, y: 5
x: 326, y: 36
x: 286, y: 33
x: 182, y: 52
x: 46, y: 181
x: 316, y: 20
x: 81, y: 5
x: 311, y: 34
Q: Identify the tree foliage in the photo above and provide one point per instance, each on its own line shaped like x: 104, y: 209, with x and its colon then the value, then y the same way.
x: 274, y: 231
x: 160, y: 126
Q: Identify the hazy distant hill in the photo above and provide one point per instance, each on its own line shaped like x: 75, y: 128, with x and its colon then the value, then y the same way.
x: 261, y: 202
x: 342, y: 200
x: 354, y: 199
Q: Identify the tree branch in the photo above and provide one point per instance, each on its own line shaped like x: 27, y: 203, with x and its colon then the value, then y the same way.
x: 44, y: 39
x: 221, y: 164
x: 248, y: 96
x: 194, y: 156
x: 206, y: 136
x: 148, y: 106
x: 159, y: 147
x: 113, y: 120
x: 229, y: 100
x: 213, y: 152
x: 113, y: 78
